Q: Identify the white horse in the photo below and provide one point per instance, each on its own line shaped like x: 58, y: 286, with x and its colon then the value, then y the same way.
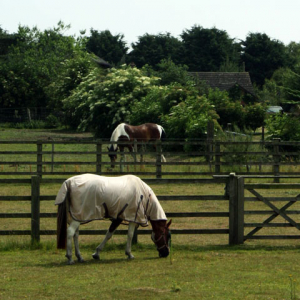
x: 125, y: 199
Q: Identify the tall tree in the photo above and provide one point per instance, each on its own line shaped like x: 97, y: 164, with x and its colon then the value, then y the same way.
x: 206, y: 50
x: 6, y: 40
x: 262, y: 56
x: 32, y: 64
x: 111, y: 48
x: 151, y: 49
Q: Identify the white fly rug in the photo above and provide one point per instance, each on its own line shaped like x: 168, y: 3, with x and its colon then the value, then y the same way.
x: 94, y: 197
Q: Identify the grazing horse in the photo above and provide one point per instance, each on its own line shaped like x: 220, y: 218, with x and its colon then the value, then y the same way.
x: 143, y: 133
x: 125, y: 199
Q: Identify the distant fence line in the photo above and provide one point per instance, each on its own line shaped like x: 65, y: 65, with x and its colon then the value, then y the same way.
x: 207, y: 157
x: 23, y: 114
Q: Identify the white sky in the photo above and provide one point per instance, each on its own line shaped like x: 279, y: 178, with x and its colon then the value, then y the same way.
x: 133, y: 18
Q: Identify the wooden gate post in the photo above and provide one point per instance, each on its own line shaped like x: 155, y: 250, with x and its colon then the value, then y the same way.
x: 35, y: 209
x: 236, y: 209
x: 99, y: 157
x: 218, y: 158
x: 158, y: 159
x: 39, y: 160
x: 209, y: 140
x: 276, y: 159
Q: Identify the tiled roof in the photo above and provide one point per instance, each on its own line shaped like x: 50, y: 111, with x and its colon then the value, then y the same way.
x: 225, y: 80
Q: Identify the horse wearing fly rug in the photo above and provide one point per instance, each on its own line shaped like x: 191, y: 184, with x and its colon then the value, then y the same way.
x: 143, y: 133
x: 125, y: 199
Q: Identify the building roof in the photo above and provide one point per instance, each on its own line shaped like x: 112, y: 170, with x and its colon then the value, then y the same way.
x: 224, y: 81
x: 101, y: 62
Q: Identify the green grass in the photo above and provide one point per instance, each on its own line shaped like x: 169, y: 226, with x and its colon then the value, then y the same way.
x: 200, y: 267
x: 210, y: 272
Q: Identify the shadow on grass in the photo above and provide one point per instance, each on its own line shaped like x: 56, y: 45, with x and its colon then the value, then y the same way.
x: 11, y: 246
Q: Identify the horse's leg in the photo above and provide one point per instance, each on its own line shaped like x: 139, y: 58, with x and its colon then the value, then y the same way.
x: 131, y: 228
x: 114, y: 225
x: 73, y: 227
x: 76, y: 244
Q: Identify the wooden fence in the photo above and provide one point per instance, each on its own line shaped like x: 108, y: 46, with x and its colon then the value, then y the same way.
x: 35, y: 215
x: 207, y: 157
x: 235, y: 195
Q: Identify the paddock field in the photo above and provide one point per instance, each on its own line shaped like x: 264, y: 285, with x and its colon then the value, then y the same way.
x: 199, y: 267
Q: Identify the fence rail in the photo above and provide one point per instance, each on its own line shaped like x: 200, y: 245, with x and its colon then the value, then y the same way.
x: 239, y: 229
x: 35, y: 182
x: 207, y: 157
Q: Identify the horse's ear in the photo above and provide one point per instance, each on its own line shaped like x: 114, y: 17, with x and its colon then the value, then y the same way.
x: 107, y: 148
x: 169, y: 224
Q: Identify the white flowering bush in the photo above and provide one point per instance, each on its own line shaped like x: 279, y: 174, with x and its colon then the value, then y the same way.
x: 100, y: 103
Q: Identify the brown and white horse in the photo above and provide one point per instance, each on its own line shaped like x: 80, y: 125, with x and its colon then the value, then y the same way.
x: 143, y: 133
x: 125, y: 199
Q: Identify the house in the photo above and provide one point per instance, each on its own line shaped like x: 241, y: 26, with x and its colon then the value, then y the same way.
x: 226, y: 81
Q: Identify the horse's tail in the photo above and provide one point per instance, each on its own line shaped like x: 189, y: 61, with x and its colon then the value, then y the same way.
x: 62, y: 223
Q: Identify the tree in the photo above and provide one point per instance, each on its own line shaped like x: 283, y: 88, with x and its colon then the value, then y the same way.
x: 206, y: 50
x: 189, y: 119
x: 151, y: 49
x: 262, y: 56
x: 159, y: 101
x: 100, y: 103
x: 229, y: 111
x: 111, y: 48
x: 6, y: 40
x: 32, y: 64
x: 169, y: 72
x: 255, y: 116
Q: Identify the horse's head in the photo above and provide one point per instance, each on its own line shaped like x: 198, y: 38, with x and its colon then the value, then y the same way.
x: 113, y: 155
x: 161, y: 236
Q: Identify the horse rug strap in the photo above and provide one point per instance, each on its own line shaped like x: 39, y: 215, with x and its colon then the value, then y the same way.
x: 94, y: 197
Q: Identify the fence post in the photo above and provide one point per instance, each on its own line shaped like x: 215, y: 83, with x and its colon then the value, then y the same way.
x: 209, y: 140
x: 218, y: 158
x: 135, y: 150
x: 35, y: 209
x: 276, y: 159
x: 236, y: 209
x: 99, y: 157
x: 39, y: 159
x: 158, y: 159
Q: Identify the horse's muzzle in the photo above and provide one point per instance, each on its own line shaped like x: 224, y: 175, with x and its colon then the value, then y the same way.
x: 164, y: 252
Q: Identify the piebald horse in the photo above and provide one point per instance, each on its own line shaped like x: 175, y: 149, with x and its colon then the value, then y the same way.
x: 125, y: 199
x: 143, y: 133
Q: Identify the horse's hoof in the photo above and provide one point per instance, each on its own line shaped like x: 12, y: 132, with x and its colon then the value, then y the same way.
x: 96, y: 256
x: 130, y: 257
x: 81, y: 260
x: 70, y: 262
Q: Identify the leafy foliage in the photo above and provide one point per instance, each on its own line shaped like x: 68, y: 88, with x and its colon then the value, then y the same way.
x: 285, y: 127
x: 111, y: 48
x: 189, y: 118
x: 262, y: 56
x: 151, y: 49
x: 100, y: 103
x: 32, y: 64
x: 169, y: 72
x: 206, y: 50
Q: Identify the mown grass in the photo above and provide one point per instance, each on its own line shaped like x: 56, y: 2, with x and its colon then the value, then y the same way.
x: 200, y: 266
x: 195, y: 272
